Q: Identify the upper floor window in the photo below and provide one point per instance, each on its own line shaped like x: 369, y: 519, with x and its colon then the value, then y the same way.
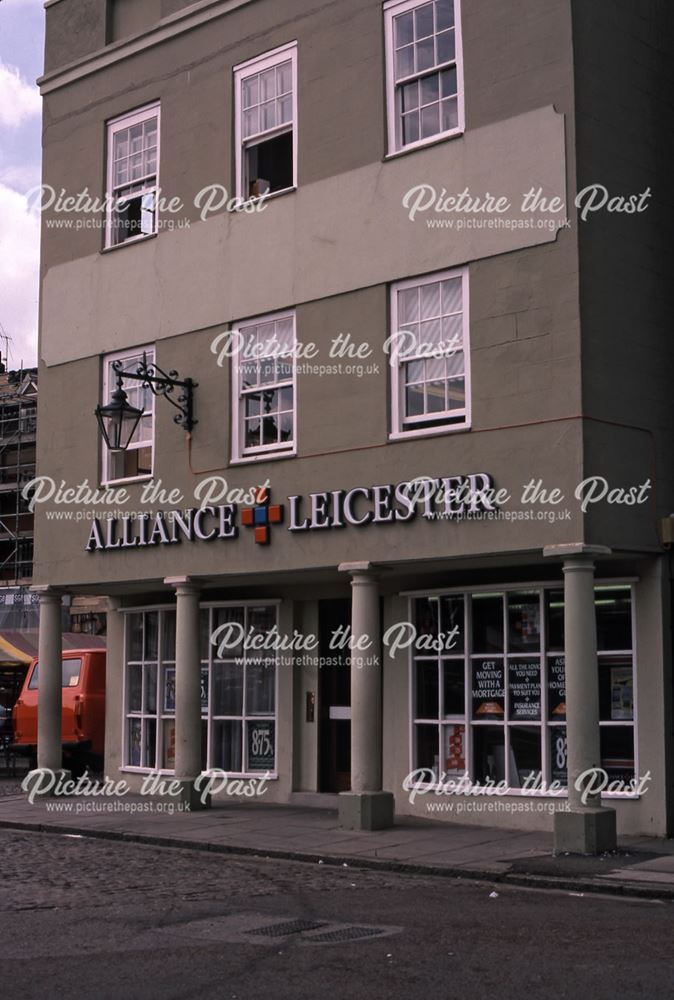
x: 264, y: 387
x: 266, y: 123
x: 424, y: 71
x: 133, y: 176
x: 136, y: 461
x: 429, y: 355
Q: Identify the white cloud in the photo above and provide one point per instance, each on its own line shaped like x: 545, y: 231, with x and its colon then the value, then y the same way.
x: 19, y: 100
x: 19, y: 275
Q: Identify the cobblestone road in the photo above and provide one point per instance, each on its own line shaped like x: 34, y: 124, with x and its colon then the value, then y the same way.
x: 94, y: 919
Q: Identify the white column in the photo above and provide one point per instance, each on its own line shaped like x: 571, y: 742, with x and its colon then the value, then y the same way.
x: 585, y: 827
x: 582, y: 678
x: 188, y: 688
x: 366, y: 806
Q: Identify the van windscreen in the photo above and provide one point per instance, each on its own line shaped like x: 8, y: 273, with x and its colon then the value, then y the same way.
x: 70, y: 676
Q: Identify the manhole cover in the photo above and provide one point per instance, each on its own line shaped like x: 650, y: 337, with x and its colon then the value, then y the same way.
x: 289, y: 927
x: 345, y: 934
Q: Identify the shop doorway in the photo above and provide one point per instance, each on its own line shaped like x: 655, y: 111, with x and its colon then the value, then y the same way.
x: 334, y: 743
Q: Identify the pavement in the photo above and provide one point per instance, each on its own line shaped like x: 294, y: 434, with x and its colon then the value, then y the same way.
x: 641, y: 867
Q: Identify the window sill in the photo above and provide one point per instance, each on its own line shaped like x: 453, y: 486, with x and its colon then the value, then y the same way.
x: 106, y: 483
x: 249, y: 204
x: 424, y: 143
x: 132, y: 242
x: 164, y: 773
x: 428, y: 432
x: 270, y: 456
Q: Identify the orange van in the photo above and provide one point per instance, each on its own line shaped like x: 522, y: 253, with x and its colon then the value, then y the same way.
x: 83, y: 714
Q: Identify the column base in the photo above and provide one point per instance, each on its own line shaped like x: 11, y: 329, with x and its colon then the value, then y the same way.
x: 366, y: 810
x: 43, y: 782
x: 191, y: 799
x: 587, y: 831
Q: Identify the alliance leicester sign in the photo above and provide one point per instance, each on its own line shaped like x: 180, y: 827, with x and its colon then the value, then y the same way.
x: 432, y: 499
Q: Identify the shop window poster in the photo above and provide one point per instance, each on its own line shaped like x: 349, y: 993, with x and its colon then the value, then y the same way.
x: 622, y: 697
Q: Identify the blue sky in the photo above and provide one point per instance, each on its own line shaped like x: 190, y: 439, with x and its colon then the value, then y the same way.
x: 21, y: 61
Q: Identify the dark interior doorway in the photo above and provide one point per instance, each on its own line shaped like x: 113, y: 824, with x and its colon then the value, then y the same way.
x: 334, y: 744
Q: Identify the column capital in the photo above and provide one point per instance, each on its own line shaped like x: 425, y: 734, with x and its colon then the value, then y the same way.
x: 48, y: 594
x: 359, y: 569
x: 570, y: 551
x: 183, y: 584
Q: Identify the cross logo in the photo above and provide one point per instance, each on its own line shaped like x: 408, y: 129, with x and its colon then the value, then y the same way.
x: 262, y: 516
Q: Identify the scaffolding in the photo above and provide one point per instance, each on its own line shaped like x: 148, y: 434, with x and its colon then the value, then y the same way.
x: 18, y: 422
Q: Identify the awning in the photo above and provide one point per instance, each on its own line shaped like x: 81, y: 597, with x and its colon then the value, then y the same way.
x: 19, y: 646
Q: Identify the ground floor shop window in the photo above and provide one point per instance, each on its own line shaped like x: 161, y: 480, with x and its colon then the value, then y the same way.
x: 490, y: 700
x: 238, y: 689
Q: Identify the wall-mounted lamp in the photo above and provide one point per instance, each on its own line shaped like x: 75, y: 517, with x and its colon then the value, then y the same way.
x: 118, y: 419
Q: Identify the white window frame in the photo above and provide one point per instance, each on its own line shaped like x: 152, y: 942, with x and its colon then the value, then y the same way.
x: 545, y: 724
x: 241, y: 454
x: 446, y: 423
x: 108, y: 387
x: 393, y: 9
x: 161, y: 715
x: 241, y: 72
x: 117, y: 125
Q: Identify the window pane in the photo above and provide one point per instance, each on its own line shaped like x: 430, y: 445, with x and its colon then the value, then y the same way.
x: 169, y: 690
x: 430, y: 121
x: 227, y: 689
x: 423, y: 21
x: 168, y: 635
x: 450, y: 115
x: 451, y: 296
x: 151, y: 688
x: 488, y: 754
x: 169, y: 744
x: 524, y: 622
x: 446, y: 47
x: 284, y: 78
x: 430, y: 89
x: 448, y: 82
x: 554, y: 603
x: 228, y: 633
x: 408, y: 306
x: 260, y: 746
x: 488, y: 689
x: 151, y: 650
x: 524, y: 689
x: 404, y: 62
x: 226, y: 745
x: 70, y: 673
x: 150, y: 743
x: 525, y: 751
x: 435, y: 397
x: 414, y: 400
x: 616, y: 689
x: 456, y: 394
x: 614, y: 621
x: 411, y: 128
x: 487, y: 623
x: 410, y: 92
x: 444, y: 14
x: 617, y: 752
x: 261, y: 618
x: 250, y: 92
x: 260, y: 688
x: 424, y: 54
x: 134, y: 625
x: 134, y: 742
x: 427, y: 690
x: 452, y: 622
x: 454, y: 674
x: 268, y: 84
x: 404, y: 29
x: 135, y: 687
x: 556, y: 688
x: 426, y: 756
x: 558, y: 763
x: 430, y: 303
x: 454, y: 747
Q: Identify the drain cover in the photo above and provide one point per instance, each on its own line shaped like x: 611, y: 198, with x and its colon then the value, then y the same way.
x: 288, y: 927
x: 346, y: 934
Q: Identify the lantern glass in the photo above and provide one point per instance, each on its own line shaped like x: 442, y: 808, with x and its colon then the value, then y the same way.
x: 118, y: 420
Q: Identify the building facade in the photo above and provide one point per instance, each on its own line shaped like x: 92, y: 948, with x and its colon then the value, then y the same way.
x: 417, y: 428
